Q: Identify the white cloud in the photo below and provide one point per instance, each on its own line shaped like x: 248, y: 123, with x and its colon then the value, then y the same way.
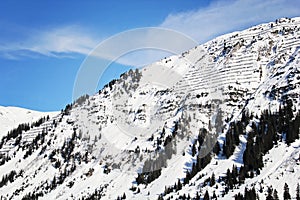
x: 226, y: 16
x: 138, y: 47
x: 202, y: 24
x: 56, y: 42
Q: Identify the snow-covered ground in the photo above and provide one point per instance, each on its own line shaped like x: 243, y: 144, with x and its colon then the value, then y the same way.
x: 11, y: 117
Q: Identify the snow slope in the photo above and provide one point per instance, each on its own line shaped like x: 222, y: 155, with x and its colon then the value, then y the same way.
x: 11, y: 117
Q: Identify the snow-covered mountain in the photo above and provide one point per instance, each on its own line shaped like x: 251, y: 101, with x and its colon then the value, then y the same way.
x: 219, y: 118
x: 11, y: 117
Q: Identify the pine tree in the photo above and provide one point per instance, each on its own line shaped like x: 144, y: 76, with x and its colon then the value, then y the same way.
x: 288, y: 123
x: 228, y: 147
x: 298, y: 192
x: 234, y: 174
x: 239, y: 196
x: 250, y: 194
x: 214, y: 196
x: 197, y: 196
x: 187, y: 178
x: 229, y: 179
x: 219, y: 121
x: 53, y: 183
x: 206, y: 196
x: 217, y: 148
x: 212, y: 180
x: 179, y: 185
x: 194, y: 149
x: 252, y: 156
x: 242, y: 175
x: 275, y: 195
x: 270, y: 196
x: 286, y: 193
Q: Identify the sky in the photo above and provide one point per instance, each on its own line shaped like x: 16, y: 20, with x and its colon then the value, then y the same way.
x: 43, y: 44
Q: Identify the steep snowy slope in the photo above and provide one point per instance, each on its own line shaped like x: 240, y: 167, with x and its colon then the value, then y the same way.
x: 11, y: 117
x: 166, y: 130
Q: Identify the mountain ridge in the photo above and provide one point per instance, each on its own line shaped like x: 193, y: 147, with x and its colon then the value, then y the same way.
x: 11, y: 117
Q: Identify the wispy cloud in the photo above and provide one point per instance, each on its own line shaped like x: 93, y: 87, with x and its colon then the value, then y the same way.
x: 54, y: 42
x: 202, y: 24
x: 142, y: 46
x: 220, y: 17
x: 224, y: 16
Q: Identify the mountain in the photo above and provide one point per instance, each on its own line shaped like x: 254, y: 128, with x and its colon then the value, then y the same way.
x: 220, y: 120
x: 11, y: 117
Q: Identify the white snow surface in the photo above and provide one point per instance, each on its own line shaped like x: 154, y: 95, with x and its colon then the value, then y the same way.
x: 11, y: 117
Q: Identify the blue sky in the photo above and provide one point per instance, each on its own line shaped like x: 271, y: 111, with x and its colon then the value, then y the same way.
x: 42, y: 44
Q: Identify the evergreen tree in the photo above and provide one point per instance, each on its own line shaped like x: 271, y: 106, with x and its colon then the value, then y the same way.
x: 239, y: 196
x: 217, y: 148
x: 252, y: 156
x: 212, y: 179
x: 229, y: 181
x: 298, y: 192
x: 124, y: 196
x: 275, y: 195
x: 228, y: 147
x: 187, y: 178
x: 214, y: 196
x: 197, y: 196
x: 206, y: 196
x: 179, y: 185
x: 250, y: 194
x: 288, y: 124
x: 270, y: 196
x: 234, y: 174
x: 242, y: 175
x: 286, y: 192
x: 194, y: 150
x: 219, y: 121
